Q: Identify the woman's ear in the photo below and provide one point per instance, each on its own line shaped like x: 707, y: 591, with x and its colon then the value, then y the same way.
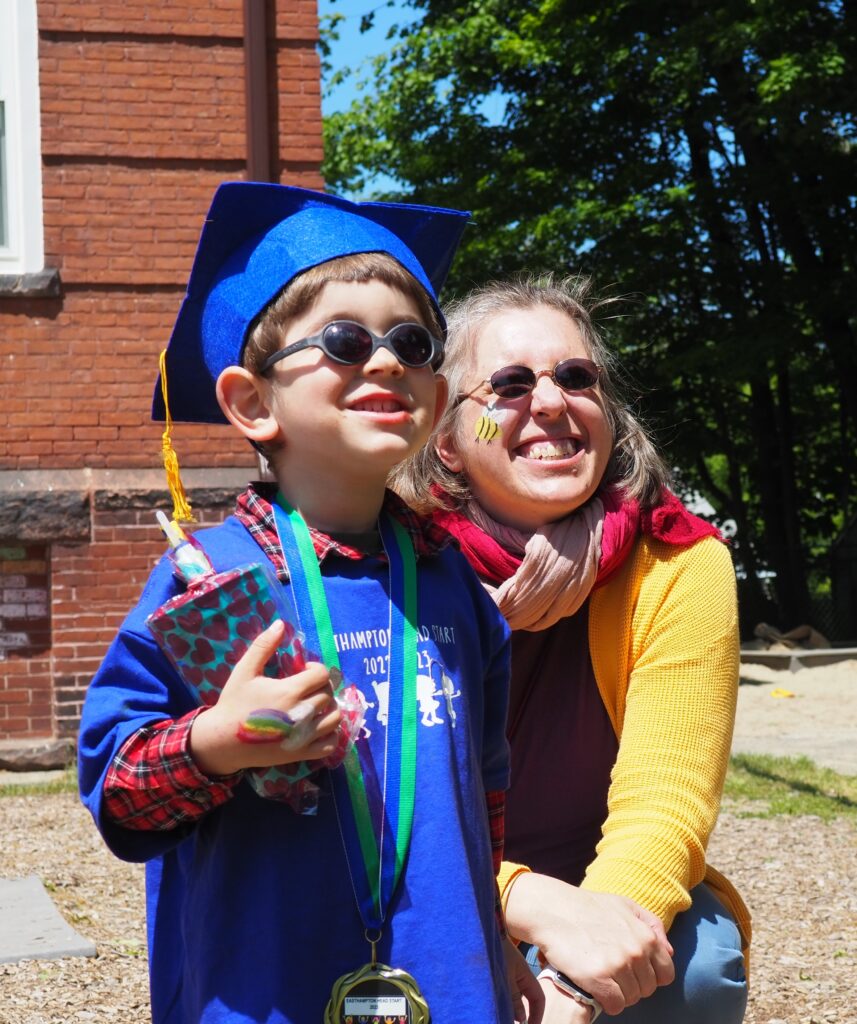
x: 447, y: 452
x: 244, y: 399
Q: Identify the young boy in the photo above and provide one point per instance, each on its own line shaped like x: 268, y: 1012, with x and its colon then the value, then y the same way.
x: 311, y: 324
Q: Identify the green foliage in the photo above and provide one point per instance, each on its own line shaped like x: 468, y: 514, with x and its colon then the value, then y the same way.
x: 762, y: 786
x: 699, y: 155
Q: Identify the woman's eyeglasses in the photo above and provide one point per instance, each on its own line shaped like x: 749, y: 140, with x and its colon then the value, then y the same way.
x: 515, y: 381
x: 350, y: 343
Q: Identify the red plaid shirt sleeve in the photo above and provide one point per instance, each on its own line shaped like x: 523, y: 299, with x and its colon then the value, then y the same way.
x: 154, y: 783
x: 496, y: 802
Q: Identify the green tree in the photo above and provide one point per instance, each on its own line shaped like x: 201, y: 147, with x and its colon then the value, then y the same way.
x: 698, y: 156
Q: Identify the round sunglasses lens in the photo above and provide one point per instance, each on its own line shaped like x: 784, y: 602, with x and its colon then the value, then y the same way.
x: 412, y: 344
x: 347, y: 343
x: 512, y: 381
x: 576, y: 376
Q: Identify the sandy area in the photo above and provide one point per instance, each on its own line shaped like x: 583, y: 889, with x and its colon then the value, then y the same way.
x: 818, y: 721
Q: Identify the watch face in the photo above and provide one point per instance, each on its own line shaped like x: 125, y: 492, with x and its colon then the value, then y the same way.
x: 565, y: 983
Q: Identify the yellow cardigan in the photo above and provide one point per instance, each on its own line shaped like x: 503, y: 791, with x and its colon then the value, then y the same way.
x: 663, y: 637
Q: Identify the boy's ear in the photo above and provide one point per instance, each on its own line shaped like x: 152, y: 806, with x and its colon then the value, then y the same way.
x: 441, y: 395
x: 244, y: 399
x: 447, y: 452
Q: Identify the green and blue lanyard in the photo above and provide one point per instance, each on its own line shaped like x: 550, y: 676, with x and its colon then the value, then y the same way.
x: 376, y: 856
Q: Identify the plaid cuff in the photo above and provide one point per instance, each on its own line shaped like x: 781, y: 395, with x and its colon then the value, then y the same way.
x: 499, y: 913
x: 154, y: 783
x: 496, y: 801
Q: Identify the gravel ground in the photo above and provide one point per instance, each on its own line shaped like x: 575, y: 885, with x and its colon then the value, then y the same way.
x: 797, y: 875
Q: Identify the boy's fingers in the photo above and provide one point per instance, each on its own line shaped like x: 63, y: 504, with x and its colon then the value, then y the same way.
x: 313, y: 708
x: 319, y: 712
x: 257, y: 655
x: 314, y: 679
x: 323, y: 747
x: 329, y: 723
x: 326, y: 736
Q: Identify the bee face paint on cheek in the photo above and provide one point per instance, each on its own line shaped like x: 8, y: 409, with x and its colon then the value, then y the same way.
x: 488, y: 426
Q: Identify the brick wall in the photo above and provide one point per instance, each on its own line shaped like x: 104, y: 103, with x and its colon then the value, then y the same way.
x: 94, y: 585
x: 142, y: 115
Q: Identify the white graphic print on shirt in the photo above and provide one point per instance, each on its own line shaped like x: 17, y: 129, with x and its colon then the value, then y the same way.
x: 435, y: 687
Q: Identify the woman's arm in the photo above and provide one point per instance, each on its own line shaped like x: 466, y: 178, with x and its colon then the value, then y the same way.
x: 673, y: 617
x: 664, y: 644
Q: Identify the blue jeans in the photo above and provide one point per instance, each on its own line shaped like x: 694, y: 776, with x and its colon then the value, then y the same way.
x: 710, y: 986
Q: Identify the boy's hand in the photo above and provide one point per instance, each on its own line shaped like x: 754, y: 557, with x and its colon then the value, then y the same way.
x: 248, y: 695
x: 528, y: 999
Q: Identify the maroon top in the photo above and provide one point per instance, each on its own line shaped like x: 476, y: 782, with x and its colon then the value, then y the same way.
x: 563, y: 750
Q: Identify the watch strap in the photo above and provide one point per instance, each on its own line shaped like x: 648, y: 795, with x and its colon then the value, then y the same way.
x: 566, y: 985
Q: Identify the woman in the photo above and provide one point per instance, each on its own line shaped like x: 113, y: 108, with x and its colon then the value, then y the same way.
x: 625, y: 661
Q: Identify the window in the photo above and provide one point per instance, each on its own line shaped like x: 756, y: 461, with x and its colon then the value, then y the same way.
x: 4, y: 217
x: 21, y: 232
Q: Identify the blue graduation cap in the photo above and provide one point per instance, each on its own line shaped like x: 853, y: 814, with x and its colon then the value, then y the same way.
x: 256, y: 239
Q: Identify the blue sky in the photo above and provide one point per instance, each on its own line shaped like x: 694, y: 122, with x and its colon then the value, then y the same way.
x: 354, y: 47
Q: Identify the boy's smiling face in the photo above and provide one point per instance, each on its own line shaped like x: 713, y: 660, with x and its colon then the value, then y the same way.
x: 350, y: 423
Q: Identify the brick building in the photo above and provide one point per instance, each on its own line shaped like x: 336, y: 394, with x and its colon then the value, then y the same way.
x: 117, y: 121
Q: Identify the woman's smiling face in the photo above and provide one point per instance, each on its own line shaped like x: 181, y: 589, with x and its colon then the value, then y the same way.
x: 553, y: 447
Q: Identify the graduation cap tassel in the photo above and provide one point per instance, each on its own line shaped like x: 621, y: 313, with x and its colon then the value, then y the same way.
x: 182, y: 511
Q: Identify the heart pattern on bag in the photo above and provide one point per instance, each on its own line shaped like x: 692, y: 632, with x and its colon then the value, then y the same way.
x: 205, y: 632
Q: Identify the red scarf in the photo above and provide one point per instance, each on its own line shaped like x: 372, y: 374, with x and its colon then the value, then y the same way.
x: 669, y: 521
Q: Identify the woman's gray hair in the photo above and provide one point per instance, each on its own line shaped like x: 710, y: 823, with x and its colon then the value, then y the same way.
x: 635, y: 466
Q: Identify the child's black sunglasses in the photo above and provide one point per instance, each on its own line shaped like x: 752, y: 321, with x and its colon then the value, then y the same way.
x: 350, y: 343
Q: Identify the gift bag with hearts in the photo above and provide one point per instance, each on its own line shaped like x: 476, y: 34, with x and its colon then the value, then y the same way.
x: 205, y: 631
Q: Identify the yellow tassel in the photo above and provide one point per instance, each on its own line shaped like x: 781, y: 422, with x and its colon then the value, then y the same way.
x: 181, y: 506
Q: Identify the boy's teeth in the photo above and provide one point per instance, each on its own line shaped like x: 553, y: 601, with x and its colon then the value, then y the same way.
x: 378, y: 405
x: 551, y: 449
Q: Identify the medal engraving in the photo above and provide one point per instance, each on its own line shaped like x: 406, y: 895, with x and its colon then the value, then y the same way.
x: 377, y: 992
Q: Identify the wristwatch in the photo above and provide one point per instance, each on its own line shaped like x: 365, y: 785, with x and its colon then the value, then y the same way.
x: 579, y: 995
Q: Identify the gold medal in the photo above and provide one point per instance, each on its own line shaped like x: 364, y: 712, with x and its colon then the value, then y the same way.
x: 376, y: 994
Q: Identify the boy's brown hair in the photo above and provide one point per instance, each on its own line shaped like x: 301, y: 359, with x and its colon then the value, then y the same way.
x: 265, y: 336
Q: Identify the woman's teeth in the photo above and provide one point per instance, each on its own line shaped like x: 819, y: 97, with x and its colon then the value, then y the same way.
x: 561, y: 449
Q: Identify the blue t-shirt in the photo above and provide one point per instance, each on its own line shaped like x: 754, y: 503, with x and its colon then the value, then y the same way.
x: 251, y: 912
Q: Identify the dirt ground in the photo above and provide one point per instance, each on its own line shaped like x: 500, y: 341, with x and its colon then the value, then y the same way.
x: 796, y: 874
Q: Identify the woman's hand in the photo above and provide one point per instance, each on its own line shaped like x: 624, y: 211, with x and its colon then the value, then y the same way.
x: 527, y: 996
x: 223, y: 739
x: 607, y: 944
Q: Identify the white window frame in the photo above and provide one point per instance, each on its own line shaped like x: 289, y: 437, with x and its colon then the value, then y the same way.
x: 23, y: 250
